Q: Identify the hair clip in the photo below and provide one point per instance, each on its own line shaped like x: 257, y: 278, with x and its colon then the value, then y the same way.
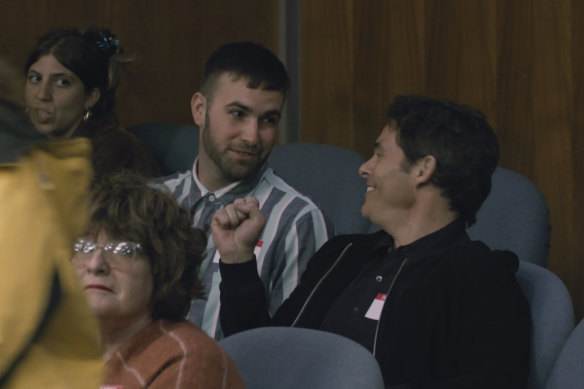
x: 108, y: 44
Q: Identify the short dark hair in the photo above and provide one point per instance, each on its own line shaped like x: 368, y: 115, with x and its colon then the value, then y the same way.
x: 85, y: 55
x: 459, y: 137
x: 249, y: 60
x: 127, y: 208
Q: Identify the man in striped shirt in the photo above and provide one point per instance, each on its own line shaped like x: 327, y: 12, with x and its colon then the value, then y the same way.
x: 238, y: 109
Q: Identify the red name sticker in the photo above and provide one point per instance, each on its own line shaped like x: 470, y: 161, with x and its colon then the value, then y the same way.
x: 374, y: 311
x: 258, y: 248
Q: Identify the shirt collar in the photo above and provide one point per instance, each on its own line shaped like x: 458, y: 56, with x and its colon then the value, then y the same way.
x: 438, y: 242
x: 232, y: 191
x: 433, y: 244
x: 218, y: 193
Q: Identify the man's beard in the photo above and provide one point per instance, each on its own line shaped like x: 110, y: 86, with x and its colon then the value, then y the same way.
x: 232, y: 170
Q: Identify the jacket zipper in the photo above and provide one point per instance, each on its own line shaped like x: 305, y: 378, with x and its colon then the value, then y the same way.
x: 319, y: 282
x: 388, y: 294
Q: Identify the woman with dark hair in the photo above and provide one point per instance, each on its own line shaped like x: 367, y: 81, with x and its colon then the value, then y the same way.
x: 138, y: 265
x: 71, y: 81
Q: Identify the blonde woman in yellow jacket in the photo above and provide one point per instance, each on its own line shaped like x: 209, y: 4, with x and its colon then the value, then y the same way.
x: 48, y: 337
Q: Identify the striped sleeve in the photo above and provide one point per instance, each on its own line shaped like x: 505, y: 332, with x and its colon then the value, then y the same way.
x: 294, y: 231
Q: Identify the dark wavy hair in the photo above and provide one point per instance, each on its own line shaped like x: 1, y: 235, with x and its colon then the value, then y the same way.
x: 459, y: 137
x: 248, y: 60
x: 127, y: 208
x: 89, y: 58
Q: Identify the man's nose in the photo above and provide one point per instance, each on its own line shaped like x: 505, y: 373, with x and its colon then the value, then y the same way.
x: 250, y: 133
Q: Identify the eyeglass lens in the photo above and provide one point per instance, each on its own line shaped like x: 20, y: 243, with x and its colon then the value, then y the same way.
x: 116, y: 253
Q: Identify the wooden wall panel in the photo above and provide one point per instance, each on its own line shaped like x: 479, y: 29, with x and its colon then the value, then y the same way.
x: 330, y: 70
x: 172, y: 40
x: 389, y: 60
x: 553, y: 118
x: 460, y: 51
x: 515, y: 53
x: 520, y: 62
x: 571, y: 267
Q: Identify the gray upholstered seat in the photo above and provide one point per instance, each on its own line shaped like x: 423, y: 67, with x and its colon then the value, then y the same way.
x: 568, y: 371
x: 293, y: 358
x: 175, y: 145
x: 514, y: 217
x: 329, y: 175
x: 552, y: 317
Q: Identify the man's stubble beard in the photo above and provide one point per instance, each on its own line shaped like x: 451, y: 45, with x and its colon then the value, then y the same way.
x: 230, y: 169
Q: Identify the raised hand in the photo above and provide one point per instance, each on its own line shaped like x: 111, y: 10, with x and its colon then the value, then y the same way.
x: 236, y: 230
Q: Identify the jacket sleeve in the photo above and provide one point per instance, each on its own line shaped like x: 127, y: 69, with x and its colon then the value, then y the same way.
x: 243, y: 299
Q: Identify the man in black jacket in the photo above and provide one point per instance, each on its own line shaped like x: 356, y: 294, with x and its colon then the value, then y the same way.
x: 435, y: 308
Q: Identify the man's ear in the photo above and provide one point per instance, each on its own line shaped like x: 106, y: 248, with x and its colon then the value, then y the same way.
x: 425, y: 169
x: 199, y: 109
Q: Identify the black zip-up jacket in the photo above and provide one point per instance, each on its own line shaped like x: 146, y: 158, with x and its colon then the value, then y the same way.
x: 455, y: 318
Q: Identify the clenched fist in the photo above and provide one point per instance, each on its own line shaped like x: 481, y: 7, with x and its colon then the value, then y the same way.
x: 237, y: 228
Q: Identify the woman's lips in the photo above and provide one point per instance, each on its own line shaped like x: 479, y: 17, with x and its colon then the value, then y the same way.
x: 41, y: 115
x: 97, y: 287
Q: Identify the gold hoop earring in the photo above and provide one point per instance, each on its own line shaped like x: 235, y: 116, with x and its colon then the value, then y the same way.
x: 87, y: 116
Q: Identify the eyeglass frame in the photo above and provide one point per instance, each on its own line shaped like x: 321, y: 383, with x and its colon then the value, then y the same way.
x: 106, y: 249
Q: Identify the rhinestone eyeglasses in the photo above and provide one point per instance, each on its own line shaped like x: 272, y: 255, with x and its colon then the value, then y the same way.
x: 117, y: 254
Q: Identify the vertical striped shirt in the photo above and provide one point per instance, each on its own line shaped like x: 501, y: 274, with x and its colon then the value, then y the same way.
x: 295, y: 229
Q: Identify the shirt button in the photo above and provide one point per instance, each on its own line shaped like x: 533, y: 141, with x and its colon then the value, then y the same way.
x: 212, y: 197
x: 379, y: 278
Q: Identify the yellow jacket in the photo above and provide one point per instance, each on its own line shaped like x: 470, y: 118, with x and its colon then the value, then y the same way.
x: 48, y: 337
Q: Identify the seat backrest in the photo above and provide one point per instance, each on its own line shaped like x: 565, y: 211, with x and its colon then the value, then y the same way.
x: 568, y: 371
x: 514, y: 217
x: 175, y: 145
x: 329, y: 175
x: 552, y: 317
x: 292, y: 358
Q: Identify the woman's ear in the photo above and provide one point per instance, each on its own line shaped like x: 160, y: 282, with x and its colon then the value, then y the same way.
x: 199, y: 109
x: 92, y: 98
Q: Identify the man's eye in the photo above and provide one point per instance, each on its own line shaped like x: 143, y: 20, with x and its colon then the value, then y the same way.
x: 271, y: 120
x: 237, y: 114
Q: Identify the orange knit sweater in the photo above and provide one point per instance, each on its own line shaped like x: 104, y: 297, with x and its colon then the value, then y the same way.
x: 171, y: 355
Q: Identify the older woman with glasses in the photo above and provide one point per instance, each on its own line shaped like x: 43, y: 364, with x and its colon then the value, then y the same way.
x: 138, y: 265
